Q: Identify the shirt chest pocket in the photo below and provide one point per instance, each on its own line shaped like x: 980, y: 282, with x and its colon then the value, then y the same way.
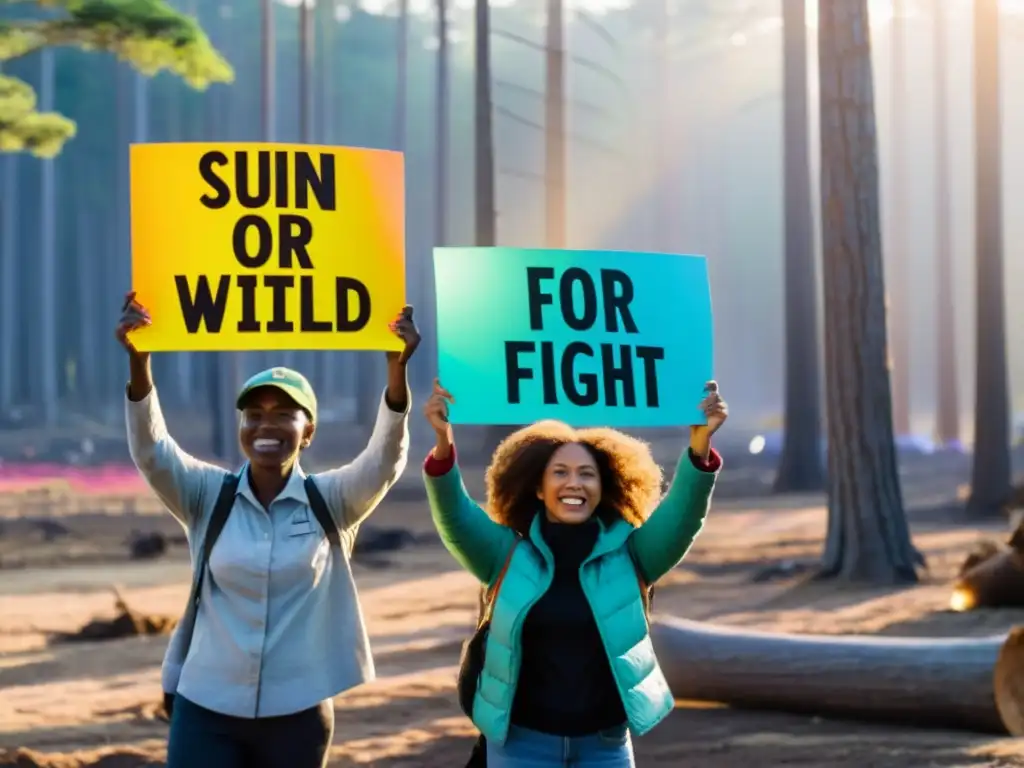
x: 301, y: 524
x: 303, y: 555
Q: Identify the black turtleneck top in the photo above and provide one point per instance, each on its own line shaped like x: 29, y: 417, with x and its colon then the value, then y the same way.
x: 565, y: 683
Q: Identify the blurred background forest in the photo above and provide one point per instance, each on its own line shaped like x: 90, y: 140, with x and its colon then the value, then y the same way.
x: 673, y: 141
x: 852, y: 169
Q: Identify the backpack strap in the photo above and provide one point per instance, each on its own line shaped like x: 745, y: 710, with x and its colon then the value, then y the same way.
x: 646, y: 590
x: 219, y: 516
x: 491, y: 595
x: 646, y: 595
x: 322, y: 513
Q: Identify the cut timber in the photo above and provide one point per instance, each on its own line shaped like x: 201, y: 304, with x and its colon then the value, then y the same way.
x: 969, y: 683
x: 1009, y: 681
x: 992, y: 575
x: 997, y: 582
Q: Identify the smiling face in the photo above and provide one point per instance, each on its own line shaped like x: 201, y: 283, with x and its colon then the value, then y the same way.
x: 273, y: 429
x: 571, y: 485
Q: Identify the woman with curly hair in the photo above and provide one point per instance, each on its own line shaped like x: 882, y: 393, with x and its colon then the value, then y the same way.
x: 569, y: 671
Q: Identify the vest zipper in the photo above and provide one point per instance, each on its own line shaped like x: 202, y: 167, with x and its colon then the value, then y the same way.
x: 604, y: 641
x: 517, y: 639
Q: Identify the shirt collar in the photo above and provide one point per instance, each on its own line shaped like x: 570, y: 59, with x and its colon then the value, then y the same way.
x: 294, y: 489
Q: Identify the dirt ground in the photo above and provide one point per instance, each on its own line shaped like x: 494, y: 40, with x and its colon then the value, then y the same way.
x: 93, y: 704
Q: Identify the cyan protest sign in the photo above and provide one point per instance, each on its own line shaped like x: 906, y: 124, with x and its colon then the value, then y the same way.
x: 593, y: 338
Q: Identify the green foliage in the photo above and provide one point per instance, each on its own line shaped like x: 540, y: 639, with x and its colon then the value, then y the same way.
x: 23, y: 128
x: 148, y: 34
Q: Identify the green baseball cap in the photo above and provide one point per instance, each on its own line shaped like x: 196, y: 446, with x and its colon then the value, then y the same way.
x: 292, y: 383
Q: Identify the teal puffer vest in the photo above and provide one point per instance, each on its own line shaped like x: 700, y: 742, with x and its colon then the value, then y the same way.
x: 608, y: 577
x: 609, y: 581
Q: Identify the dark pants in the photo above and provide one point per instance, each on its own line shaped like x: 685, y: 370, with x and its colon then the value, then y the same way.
x: 201, y: 738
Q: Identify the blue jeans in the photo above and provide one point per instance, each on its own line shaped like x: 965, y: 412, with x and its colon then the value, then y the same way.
x: 524, y: 748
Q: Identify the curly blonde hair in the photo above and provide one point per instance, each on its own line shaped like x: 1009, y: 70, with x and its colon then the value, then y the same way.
x: 630, y: 477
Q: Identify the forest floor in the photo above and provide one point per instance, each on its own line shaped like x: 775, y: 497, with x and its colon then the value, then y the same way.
x: 62, y: 547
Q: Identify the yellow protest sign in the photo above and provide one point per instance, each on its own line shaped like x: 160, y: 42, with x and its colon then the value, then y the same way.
x: 244, y: 246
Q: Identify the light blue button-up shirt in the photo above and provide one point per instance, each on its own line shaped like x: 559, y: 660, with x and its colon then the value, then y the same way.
x: 279, y: 628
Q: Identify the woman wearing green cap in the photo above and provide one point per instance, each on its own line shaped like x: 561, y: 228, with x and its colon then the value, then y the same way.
x: 273, y: 628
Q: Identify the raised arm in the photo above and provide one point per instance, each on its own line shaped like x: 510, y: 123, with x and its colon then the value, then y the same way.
x: 179, y: 480
x: 663, y: 540
x: 480, y: 545
x: 353, y: 491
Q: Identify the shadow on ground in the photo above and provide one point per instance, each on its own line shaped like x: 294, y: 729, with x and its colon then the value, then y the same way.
x: 700, y: 737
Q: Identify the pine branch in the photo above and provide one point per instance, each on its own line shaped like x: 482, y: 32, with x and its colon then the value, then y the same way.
x: 148, y: 34
x: 22, y: 128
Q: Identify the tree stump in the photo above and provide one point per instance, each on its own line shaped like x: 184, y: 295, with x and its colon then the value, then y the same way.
x: 126, y: 623
x: 969, y: 683
x: 992, y: 576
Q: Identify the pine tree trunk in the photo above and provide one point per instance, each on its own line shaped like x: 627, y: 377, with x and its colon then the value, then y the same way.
x: 8, y: 280
x: 90, y: 303
x: 800, y: 466
x: 219, y: 368
x: 990, y: 477
x: 947, y: 423
x: 325, y: 21
x: 268, y: 72
x: 369, y: 376
x: 268, y: 99
x: 8, y: 275
x: 308, y: 360
x: 401, y: 74
x: 898, y: 250
x: 120, y: 262
x: 163, y: 365
x: 306, y: 13
x: 419, y: 376
x: 181, y: 362
x: 50, y: 368
x: 230, y: 383
x: 868, y: 538
x: 369, y: 386
x: 554, y: 128
x: 664, y: 169
x: 369, y: 372
x: 218, y: 437
x: 288, y: 358
x: 115, y: 364
x: 483, y: 143
x: 442, y: 127
x: 231, y: 362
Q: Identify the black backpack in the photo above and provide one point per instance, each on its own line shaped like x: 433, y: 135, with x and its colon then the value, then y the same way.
x: 218, y: 518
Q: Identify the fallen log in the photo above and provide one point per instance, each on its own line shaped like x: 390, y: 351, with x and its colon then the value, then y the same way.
x: 968, y: 683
